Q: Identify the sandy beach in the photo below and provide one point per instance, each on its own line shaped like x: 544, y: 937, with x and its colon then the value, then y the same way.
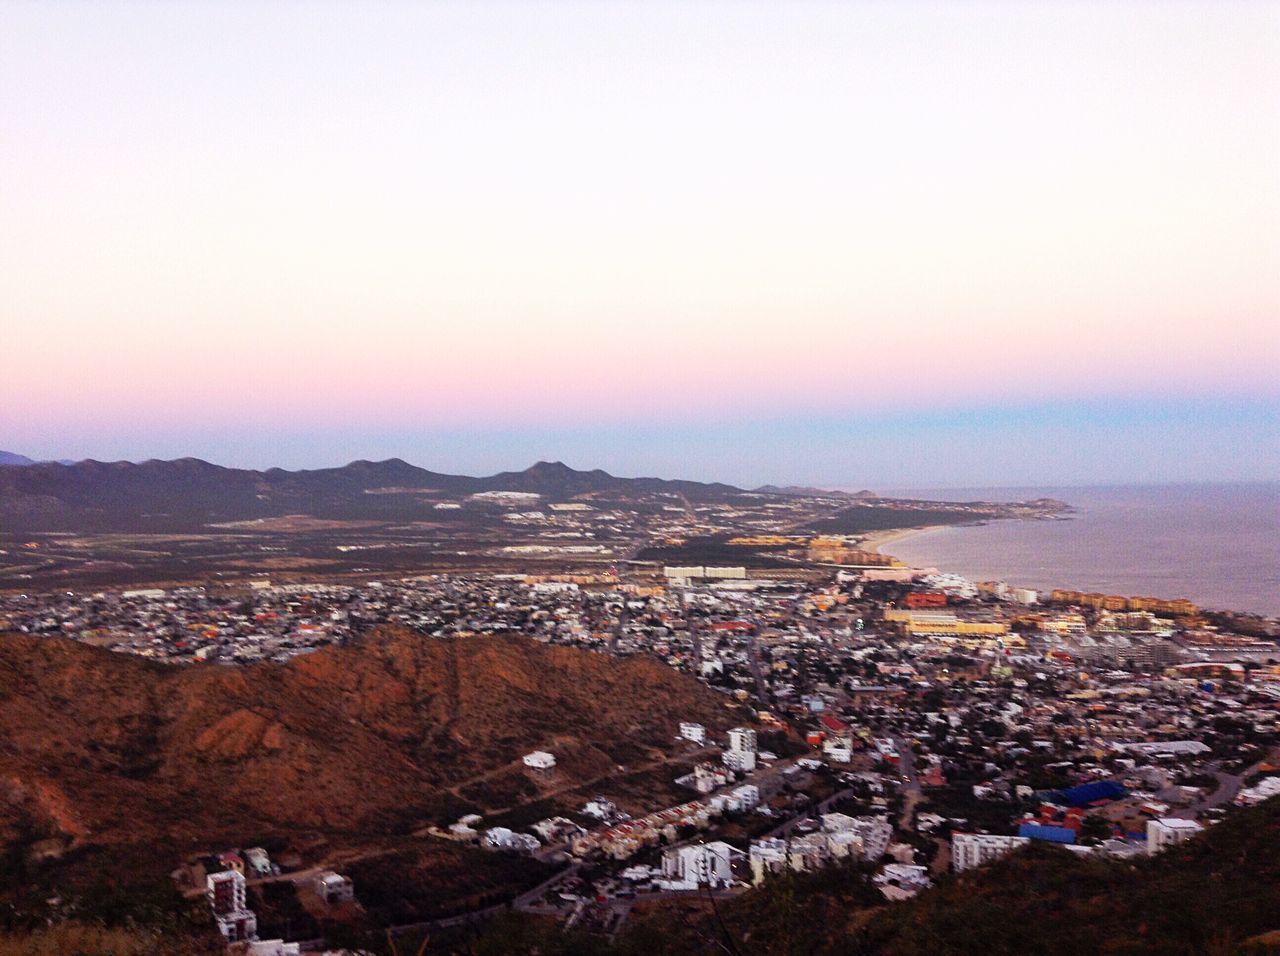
x: 878, y: 540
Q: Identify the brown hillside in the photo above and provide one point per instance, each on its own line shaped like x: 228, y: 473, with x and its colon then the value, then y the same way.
x: 362, y: 739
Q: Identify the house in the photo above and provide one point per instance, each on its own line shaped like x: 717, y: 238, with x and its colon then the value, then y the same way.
x: 838, y: 750
x: 273, y: 947
x: 900, y: 881
x: 258, y: 862
x: 600, y: 808
x: 539, y: 760
x: 334, y: 888
x: 1167, y: 831
x: 554, y: 830
x: 500, y: 838
x: 767, y: 856
x: 225, y: 892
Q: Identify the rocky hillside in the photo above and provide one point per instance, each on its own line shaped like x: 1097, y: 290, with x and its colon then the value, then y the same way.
x: 380, y: 736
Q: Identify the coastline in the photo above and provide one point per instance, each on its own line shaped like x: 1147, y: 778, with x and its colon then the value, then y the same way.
x: 877, y: 540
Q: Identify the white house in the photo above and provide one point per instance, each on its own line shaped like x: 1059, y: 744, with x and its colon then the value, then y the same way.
x: 600, y: 808
x: 539, y: 760
x: 500, y: 838
x: 273, y: 947
x: 334, y: 888
x: 1165, y: 832
x: 900, y: 881
x: 258, y: 861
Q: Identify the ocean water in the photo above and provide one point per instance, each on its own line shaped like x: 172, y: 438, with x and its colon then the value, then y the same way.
x: 1215, y: 544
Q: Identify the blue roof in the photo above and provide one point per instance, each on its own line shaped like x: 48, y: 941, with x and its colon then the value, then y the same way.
x: 1087, y: 793
x: 1041, y: 831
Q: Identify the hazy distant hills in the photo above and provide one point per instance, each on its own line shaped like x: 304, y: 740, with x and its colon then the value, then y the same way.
x: 188, y: 493
x: 13, y: 458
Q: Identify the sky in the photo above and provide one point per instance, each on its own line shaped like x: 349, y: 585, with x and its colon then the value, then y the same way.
x: 855, y: 244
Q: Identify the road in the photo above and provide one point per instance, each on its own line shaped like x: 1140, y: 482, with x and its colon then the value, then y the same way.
x: 520, y: 902
x: 753, y: 655
x: 1229, y: 785
x: 912, y: 793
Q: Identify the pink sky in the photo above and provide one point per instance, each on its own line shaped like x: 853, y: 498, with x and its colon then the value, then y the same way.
x: 494, y: 215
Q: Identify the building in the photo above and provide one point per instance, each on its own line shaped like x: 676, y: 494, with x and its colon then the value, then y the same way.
x: 974, y: 849
x: 767, y: 856
x: 334, y: 888
x: 684, y: 575
x: 1267, y: 788
x: 273, y: 947
x: 704, y: 864
x: 539, y: 760
x: 1165, y: 832
x: 923, y: 599
x: 695, y: 732
x: 741, y: 755
x: 225, y: 892
x: 501, y: 838
x: 257, y: 861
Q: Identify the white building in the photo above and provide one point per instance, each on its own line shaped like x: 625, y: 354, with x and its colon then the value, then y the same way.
x: 1165, y: 832
x: 898, y: 881
x: 258, y: 861
x: 500, y: 838
x: 334, y: 888
x: 539, y: 760
x: 704, y: 864
x: 705, y: 778
x: 838, y: 750
x: 741, y: 755
x: 695, y: 732
x: 273, y: 947
x: 767, y: 856
x: 600, y: 808
x: 746, y: 797
x: 974, y: 849
x: 873, y: 833
x: 1267, y: 788
x: 225, y: 892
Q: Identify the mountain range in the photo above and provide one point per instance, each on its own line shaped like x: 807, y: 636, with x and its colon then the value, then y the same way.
x: 188, y: 493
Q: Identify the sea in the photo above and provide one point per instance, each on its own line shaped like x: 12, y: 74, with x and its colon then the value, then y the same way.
x: 1217, y: 545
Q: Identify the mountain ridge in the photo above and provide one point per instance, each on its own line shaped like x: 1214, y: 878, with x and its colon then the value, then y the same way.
x: 188, y: 493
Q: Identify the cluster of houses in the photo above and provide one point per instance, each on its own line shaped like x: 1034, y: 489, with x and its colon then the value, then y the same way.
x: 226, y: 891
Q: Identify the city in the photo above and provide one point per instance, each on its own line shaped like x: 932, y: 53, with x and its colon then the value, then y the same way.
x: 903, y: 717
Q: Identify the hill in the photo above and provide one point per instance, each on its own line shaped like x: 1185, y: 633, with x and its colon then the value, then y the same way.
x: 12, y: 458
x: 189, y: 494
x: 379, y: 737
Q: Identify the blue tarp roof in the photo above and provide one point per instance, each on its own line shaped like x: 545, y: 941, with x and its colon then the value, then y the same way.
x: 1087, y: 793
x: 1042, y: 831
